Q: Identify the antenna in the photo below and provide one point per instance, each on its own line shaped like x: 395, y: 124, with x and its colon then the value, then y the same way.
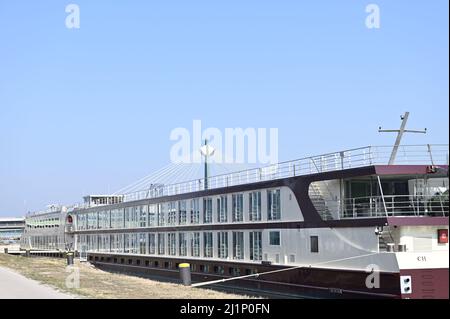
x: 400, y: 132
x: 207, y: 151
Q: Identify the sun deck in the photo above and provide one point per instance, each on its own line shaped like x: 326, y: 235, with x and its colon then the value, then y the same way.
x: 436, y: 154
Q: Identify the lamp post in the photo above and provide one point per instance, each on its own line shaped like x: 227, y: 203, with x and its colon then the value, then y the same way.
x: 207, y: 151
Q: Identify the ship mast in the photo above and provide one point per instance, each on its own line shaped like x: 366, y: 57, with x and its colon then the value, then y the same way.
x: 400, y: 133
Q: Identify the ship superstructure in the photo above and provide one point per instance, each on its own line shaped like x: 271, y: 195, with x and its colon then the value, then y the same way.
x: 326, y: 225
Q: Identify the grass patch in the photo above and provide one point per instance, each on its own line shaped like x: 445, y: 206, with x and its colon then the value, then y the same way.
x: 98, y: 284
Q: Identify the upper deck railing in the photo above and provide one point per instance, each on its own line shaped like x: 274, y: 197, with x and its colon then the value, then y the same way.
x: 436, y: 154
x: 394, y: 205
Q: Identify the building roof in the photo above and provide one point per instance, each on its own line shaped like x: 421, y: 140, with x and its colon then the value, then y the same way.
x: 12, y: 219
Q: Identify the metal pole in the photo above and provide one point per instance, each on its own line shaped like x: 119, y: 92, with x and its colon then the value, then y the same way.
x: 206, y: 168
x: 399, y: 138
x: 431, y: 155
x: 382, y: 195
x: 400, y: 133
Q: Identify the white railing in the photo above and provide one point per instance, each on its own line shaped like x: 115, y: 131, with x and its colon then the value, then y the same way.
x: 436, y: 154
x: 398, y: 205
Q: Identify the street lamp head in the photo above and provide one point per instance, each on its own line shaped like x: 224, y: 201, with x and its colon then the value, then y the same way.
x: 207, y: 150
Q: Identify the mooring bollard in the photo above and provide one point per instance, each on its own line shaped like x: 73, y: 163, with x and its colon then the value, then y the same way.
x: 69, y: 259
x: 185, y: 274
x: 6, y: 250
x: 27, y: 253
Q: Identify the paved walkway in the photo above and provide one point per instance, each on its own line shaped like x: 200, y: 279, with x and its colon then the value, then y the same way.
x: 16, y: 286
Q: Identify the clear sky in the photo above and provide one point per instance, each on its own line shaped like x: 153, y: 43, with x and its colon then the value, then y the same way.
x: 90, y: 110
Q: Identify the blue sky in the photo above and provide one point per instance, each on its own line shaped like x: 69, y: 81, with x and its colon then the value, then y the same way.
x: 90, y: 110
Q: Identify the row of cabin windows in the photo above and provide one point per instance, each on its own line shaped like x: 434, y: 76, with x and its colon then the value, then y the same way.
x: 217, y: 269
x: 176, y: 244
x: 178, y: 213
x: 43, y: 223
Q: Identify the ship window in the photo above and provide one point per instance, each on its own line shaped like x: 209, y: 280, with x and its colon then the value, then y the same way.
x: 161, y: 215
x: 204, y: 268
x: 161, y: 244
x: 152, y: 244
x: 222, y: 209
x: 182, y: 244
x: 195, y: 245
x: 238, y: 207
x: 238, y: 245
x: 143, y: 211
x: 249, y: 272
x: 222, y: 241
x: 142, y: 244
x: 234, y: 271
x: 256, y: 245
x: 126, y: 243
x: 152, y: 214
x: 172, y: 244
x: 131, y: 217
x: 219, y: 270
x: 314, y: 244
x: 134, y: 243
x: 182, y: 212
x: 207, y: 211
x: 274, y: 238
x: 274, y: 204
x: 208, y: 244
x: 255, y: 206
x: 195, y: 211
x: 172, y: 213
